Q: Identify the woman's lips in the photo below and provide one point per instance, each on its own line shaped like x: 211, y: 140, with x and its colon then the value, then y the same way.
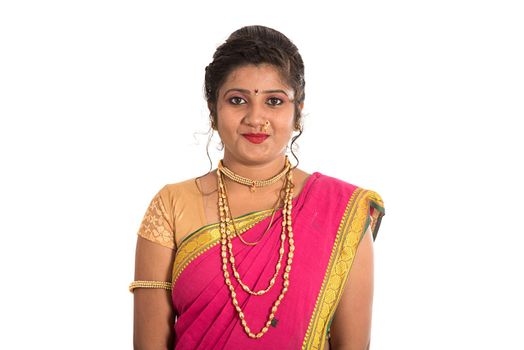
x: 256, y: 138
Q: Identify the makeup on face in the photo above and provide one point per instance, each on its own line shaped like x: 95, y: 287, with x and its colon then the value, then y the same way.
x: 255, y: 112
x: 257, y: 92
x: 256, y: 138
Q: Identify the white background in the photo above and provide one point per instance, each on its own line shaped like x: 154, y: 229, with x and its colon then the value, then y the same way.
x: 101, y: 103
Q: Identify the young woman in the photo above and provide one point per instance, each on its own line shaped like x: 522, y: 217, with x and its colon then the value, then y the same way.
x: 256, y: 254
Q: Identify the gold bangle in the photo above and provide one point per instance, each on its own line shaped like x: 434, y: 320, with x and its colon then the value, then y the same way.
x: 150, y: 284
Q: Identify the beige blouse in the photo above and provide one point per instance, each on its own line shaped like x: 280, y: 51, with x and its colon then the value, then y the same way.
x: 176, y: 207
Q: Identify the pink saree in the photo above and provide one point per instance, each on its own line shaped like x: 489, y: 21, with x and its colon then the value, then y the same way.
x: 329, y: 219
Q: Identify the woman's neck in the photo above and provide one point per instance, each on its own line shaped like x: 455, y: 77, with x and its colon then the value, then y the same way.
x: 261, y: 171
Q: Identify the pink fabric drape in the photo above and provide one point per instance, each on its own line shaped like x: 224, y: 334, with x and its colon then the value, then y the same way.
x: 206, y: 318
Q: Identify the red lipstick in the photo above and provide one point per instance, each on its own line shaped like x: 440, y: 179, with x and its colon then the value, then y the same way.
x: 256, y: 138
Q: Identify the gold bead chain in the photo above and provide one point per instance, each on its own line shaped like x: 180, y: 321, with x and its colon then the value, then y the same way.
x: 221, y: 167
x: 227, y: 247
x: 231, y: 219
x: 230, y: 249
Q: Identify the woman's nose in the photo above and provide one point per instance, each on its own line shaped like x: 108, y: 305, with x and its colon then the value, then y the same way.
x: 255, y: 115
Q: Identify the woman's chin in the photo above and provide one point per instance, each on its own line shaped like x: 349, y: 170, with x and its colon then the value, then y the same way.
x: 255, y: 156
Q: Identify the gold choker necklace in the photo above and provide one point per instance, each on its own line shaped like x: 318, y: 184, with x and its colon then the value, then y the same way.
x: 253, y: 184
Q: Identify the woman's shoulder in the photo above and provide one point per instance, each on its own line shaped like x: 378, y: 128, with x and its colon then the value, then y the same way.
x: 183, y: 202
x: 367, y: 200
x: 186, y: 185
x: 327, y: 183
x: 160, y: 223
x: 172, y: 190
x: 332, y: 184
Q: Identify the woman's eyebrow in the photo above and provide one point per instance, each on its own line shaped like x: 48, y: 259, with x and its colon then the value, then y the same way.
x: 274, y: 91
x: 244, y: 91
x: 248, y: 92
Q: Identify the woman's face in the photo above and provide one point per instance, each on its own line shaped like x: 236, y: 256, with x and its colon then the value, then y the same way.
x: 242, y: 111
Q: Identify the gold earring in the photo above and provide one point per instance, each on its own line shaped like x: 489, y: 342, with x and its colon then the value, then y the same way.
x: 266, y: 125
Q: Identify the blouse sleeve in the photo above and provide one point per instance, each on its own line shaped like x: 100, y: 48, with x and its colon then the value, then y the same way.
x: 376, y: 212
x: 157, y: 224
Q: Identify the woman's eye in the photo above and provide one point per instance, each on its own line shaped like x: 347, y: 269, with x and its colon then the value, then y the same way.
x: 274, y: 101
x: 237, y: 100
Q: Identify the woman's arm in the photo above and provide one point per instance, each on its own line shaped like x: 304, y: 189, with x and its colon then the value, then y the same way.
x: 153, y: 312
x: 351, y: 326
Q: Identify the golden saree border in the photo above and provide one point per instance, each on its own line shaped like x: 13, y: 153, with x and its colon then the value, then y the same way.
x: 206, y: 237
x: 352, y: 228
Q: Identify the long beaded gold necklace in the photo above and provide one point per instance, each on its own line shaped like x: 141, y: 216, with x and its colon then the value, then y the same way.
x: 227, y: 247
x: 268, y: 226
x: 246, y: 181
x: 233, y: 265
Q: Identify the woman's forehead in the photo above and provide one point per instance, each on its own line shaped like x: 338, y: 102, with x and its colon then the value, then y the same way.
x: 251, y: 77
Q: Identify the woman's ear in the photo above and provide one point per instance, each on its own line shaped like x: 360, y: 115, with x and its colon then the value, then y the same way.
x: 297, y: 126
x: 210, y: 106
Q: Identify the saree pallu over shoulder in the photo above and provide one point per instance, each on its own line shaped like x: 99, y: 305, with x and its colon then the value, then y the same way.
x: 363, y: 208
x: 329, y: 219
